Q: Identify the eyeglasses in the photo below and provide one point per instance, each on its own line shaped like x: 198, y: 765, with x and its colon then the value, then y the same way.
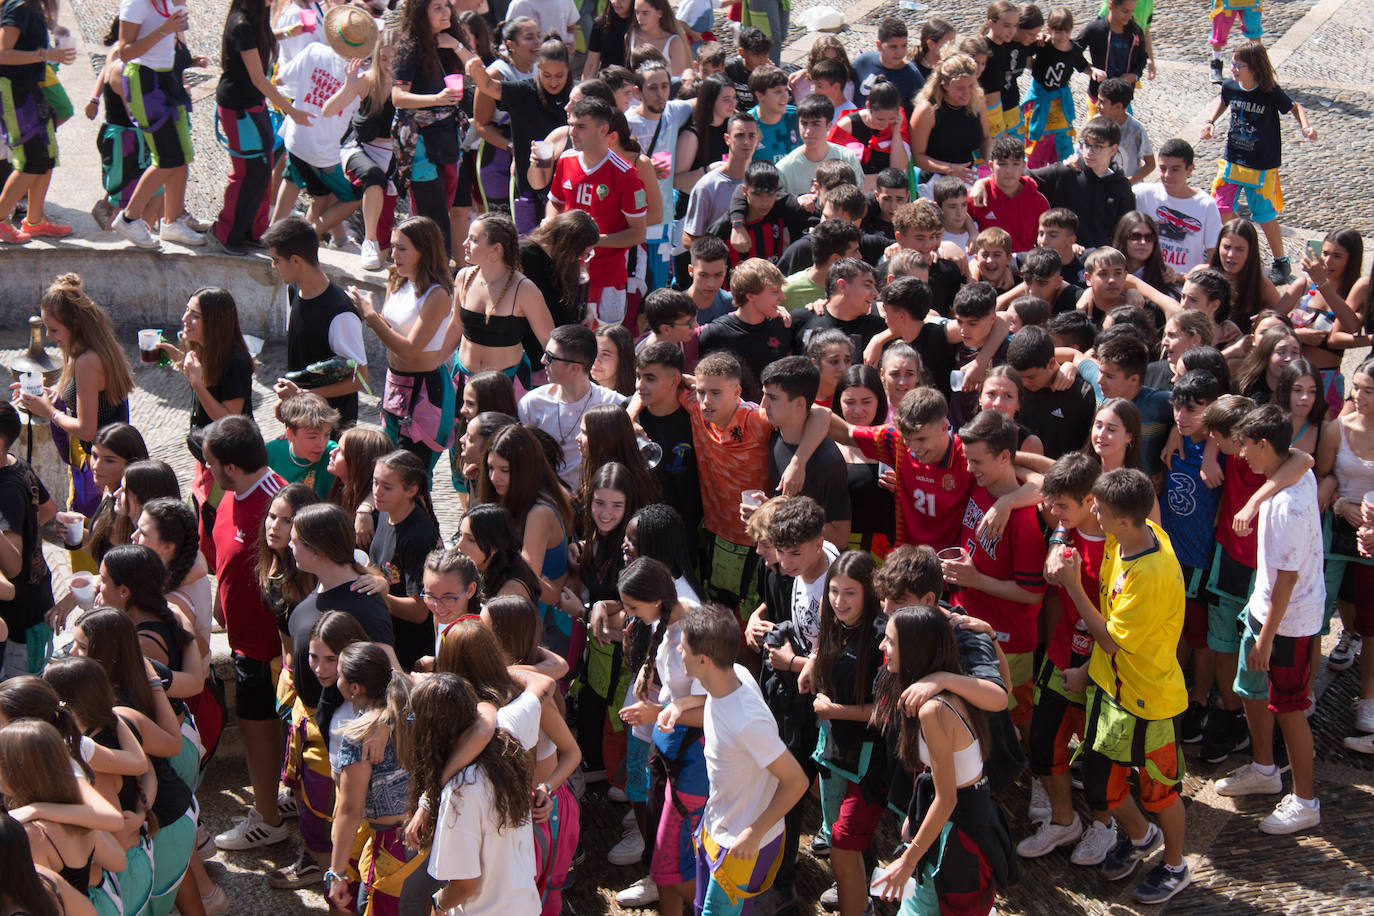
x: 1239, y: 65
x: 446, y: 602
x: 687, y: 323
x: 550, y: 358
x: 1096, y: 147
x: 1140, y: 237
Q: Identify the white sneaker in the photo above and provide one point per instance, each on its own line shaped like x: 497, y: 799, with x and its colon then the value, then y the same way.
x: 1248, y: 780
x: 216, y: 902
x: 177, y: 232
x: 1098, y: 840
x: 629, y: 850
x: 371, y: 258
x: 1040, y: 808
x: 629, y: 821
x: 617, y: 794
x: 1362, y: 743
x: 1049, y: 837
x: 134, y: 230
x: 250, y: 832
x: 286, y: 803
x: 1290, y: 816
x: 643, y: 892
x: 1364, y: 715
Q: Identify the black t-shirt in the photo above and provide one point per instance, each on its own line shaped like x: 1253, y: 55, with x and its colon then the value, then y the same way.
x: 756, y: 345
x: 534, y: 115
x: 307, y: 338
x: 945, y: 280
x: 677, y: 472
x: 33, y: 35
x: 441, y: 138
x: 806, y: 323
x: 963, y: 405
x: 399, y: 551
x: 609, y: 40
x: 842, y: 681
x: 827, y: 476
x: 21, y: 493
x: 874, y: 510
x: 236, y: 89
x: 235, y: 381
x: 368, y: 610
x: 738, y: 74
x: 1067, y: 300
x: 1256, y: 136
x: 1159, y: 375
x: 407, y: 69
x: 710, y: 148
x: 1053, y: 67
x: 1062, y: 419
x: 937, y: 354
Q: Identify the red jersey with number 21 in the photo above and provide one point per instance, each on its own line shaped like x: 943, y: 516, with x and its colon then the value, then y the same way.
x: 612, y: 193
x: 930, y: 497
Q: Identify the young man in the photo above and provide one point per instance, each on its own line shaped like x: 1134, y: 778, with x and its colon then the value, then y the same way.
x: 890, y: 62
x: 951, y: 196
x: 850, y: 291
x: 1188, y: 514
x: 1013, y: 202
x: 1122, y: 361
x: 558, y: 407
x: 978, y: 335
x: 798, y: 167
x: 797, y: 532
x: 1284, y: 614
x: 658, y: 370
x: 710, y: 197
x: 1062, y: 419
x: 754, y: 779
x: 918, y: 226
x: 1041, y: 277
x: 768, y: 221
x: 831, y: 241
x: 654, y: 124
x: 753, y: 332
x: 992, y: 260
x: 890, y: 193
x: 755, y: 50
x: 592, y: 178
x: 1136, y: 686
x: 1059, y: 232
x: 1060, y: 712
x: 1001, y: 579
x: 710, y: 258
x: 25, y: 507
x: 1096, y: 190
x: 830, y: 77
x: 321, y: 322
x: 1188, y: 219
x: 844, y: 202
x: 302, y: 454
x: 1135, y: 156
x: 672, y: 318
x: 237, y: 458
x: 789, y: 390
x: 778, y: 128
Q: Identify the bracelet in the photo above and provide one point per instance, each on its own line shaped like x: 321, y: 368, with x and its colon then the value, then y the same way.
x: 330, y: 876
x: 155, y: 683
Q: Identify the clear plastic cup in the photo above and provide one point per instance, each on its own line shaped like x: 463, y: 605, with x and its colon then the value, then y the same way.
x: 309, y: 19
x: 543, y: 150
x: 31, y: 383
x: 651, y: 450
x: 148, y: 340
x: 952, y: 555
x: 752, y: 499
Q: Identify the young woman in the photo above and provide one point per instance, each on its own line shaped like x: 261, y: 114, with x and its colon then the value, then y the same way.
x: 367, y: 149
x: 520, y: 40
x: 1004, y: 391
x: 825, y: 47
x: 488, y: 391
x: 417, y: 404
x: 607, y: 45
x: 24, y: 69
x: 351, y: 465
x: 880, y: 128
x: 608, y: 435
x: 950, y: 738
x: 841, y: 675
x: 1183, y: 331
x: 406, y: 534
x: 142, y: 481
x: 131, y: 580
x: 115, y: 448
x: 1326, y: 307
x: 554, y: 257
x: 701, y: 143
x: 1137, y: 237
x: 860, y: 400
x: 1299, y: 392
x: 283, y: 584
x: 949, y: 126
x: 901, y: 372
x: 94, y: 386
x: 488, y: 535
x: 216, y: 360
x: 375, y: 791
x: 1237, y: 257
x: 615, y: 359
x: 452, y: 588
x: 1260, y: 370
x: 494, y: 307
x: 656, y: 25
x: 30, y: 889
x: 935, y: 34
x: 248, y: 49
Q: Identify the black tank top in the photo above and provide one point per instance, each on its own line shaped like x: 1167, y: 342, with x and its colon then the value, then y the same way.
x: 369, y: 127
x: 78, y: 876
x: 116, y: 112
x: 105, y: 411
x: 129, y: 799
x: 877, y: 159
x: 956, y: 136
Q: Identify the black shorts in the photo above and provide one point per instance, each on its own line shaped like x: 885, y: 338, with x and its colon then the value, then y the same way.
x: 25, y: 104
x: 255, y: 690
x: 363, y: 173
x: 467, y: 179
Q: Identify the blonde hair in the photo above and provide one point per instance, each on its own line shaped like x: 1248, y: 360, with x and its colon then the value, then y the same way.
x: 754, y: 276
x: 91, y: 330
x: 757, y: 526
x: 955, y: 66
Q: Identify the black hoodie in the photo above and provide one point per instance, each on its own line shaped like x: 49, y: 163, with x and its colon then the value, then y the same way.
x: 1099, y: 202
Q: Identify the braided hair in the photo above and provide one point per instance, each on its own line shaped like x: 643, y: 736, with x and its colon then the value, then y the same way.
x: 646, y: 580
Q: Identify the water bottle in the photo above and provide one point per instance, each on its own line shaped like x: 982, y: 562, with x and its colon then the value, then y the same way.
x: 650, y: 450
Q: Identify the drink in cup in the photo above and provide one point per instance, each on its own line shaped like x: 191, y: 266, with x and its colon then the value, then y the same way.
x: 309, y: 19
x: 148, y: 339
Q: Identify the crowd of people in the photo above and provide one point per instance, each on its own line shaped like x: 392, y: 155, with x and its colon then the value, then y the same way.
x: 872, y: 428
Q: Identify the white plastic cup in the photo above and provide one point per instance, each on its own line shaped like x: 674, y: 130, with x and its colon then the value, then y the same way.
x: 1367, y: 508
x: 82, y: 588
x: 543, y: 150
x: 73, y: 527
x: 752, y: 499
x: 31, y: 383
x: 952, y: 555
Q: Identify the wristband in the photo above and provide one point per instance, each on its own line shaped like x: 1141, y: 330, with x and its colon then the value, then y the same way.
x: 330, y: 876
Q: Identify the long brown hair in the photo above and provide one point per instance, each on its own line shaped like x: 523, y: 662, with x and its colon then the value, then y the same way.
x: 516, y: 625
x: 279, y: 571
x: 432, y: 268
x: 418, y: 39
x: 84, y: 687
x: 37, y: 764
x: 611, y: 437
x: 603, y: 551
x: 1256, y: 363
x: 91, y: 329
x: 361, y: 447
x: 112, y: 640
x: 531, y: 477
x: 860, y: 566
x: 328, y: 531
x: 648, y: 580
x: 219, y: 323
x: 29, y: 697
x: 565, y: 238
x: 471, y: 651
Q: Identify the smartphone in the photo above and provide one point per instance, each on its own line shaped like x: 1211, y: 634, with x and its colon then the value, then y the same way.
x: 1314, y: 249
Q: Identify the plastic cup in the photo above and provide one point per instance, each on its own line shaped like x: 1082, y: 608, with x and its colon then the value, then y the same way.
x: 31, y: 383
x: 952, y: 555
x: 73, y: 527
x: 663, y: 159
x: 752, y: 499
x: 148, y: 340
x: 82, y: 588
x: 651, y: 450
x: 1367, y: 508
x: 855, y: 148
x: 543, y: 150
x: 454, y: 81
x: 309, y: 19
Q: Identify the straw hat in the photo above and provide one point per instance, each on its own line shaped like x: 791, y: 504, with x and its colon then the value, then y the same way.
x: 350, y: 31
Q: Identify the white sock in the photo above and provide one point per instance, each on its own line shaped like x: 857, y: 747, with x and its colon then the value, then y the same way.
x: 1267, y: 771
x: 1308, y: 803
x: 1216, y: 55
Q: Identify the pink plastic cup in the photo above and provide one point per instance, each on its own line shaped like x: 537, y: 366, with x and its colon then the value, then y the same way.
x: 309, y: 19
x: 855, y: 148
x: 663, y: 158
x: 454, y: 81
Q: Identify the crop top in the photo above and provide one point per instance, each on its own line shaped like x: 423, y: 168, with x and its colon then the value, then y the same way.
x: 492, y: 330
x: 402, y: 310
x: 968, y: 761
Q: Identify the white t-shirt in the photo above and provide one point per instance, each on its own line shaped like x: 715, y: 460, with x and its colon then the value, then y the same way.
x: 309, y: 80
x: 806, y: 601
x: 669, y: 125
x: 150, y: 16
x: 520, y: 717
x: 1290, y: 539
x: 469, y: 844
x: 1188, y: 226
x: 542, y: 408
x: 672, y: 672
x: 346, y: 337
x: 552, y: 15
x: 798, y: 171
x: 709, y: 201
x: 741, y: 742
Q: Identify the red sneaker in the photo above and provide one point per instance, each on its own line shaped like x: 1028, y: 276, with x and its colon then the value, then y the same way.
x: 46, y: 228
x: 11, y: 235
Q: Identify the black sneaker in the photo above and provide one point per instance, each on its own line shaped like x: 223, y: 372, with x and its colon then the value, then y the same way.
x: 1217, y: 76
x: 819, y: 847
x: 1225, y: 734
x: 1194, y: 721
x: 1162, y: 883
x: 1280, y: 272
x: 1122, y: 860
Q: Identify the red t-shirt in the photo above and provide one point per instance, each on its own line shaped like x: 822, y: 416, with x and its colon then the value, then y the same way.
x: 1240, y: 484
x: 1017, y: 556
x: 930, y: 497
x: 250, y: 624
x: 612, y: 193
x: 1019, y: 215
x: 1067, y: 640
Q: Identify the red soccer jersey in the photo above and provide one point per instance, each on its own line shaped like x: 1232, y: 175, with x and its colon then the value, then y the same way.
x: 930, y: 497
x: 1067, y: 640
x: 1240, y: 484
x: 251, y: 627
x: 612, y: 193
x: 1019, y: 215
x: 1017, y: 556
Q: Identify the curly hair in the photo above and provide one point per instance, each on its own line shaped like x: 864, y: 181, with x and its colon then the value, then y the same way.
x: 176, y: 524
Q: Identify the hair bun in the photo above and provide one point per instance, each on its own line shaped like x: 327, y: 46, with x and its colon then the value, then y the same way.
x: 69, y: 281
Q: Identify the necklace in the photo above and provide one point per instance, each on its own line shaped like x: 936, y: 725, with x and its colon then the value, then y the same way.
x: 296, y: 461
x: 586, y: 401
